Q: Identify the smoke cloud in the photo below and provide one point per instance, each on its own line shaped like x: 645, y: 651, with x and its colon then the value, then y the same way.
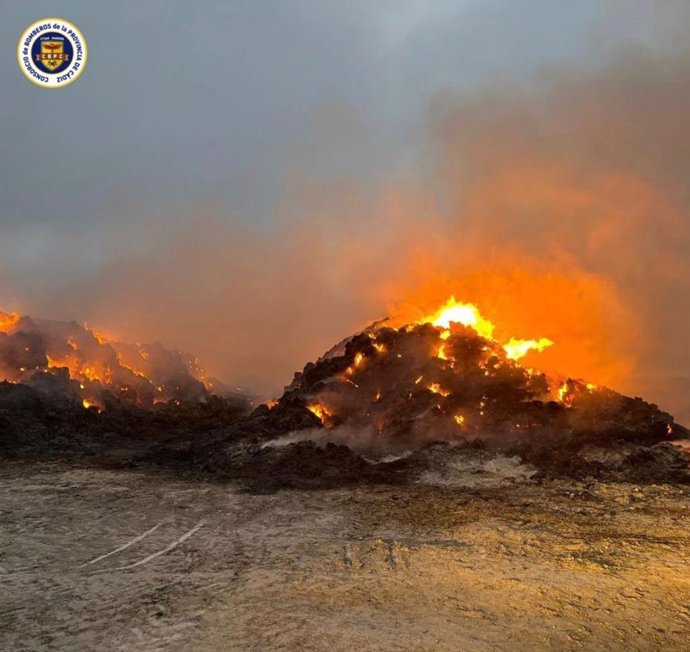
x: 560, y: 208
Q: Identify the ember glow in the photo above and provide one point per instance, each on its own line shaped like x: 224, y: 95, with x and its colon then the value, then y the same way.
x: 437, y: 389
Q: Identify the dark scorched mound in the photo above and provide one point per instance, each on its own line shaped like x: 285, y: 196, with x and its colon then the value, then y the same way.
x: 410, y: 385
x: 388, y: 391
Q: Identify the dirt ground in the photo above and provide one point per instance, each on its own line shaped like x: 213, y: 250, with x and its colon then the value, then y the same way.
x: 136, y: 560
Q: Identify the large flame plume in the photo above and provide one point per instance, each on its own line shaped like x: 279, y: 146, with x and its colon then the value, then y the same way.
x: 468, y: 314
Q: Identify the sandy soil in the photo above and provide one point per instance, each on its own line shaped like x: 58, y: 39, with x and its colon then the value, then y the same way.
x: 206, y: 567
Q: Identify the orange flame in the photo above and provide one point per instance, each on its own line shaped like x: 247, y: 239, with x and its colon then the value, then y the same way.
x: 516, y: 349
x: 468, y: 314
x: 321, y: 411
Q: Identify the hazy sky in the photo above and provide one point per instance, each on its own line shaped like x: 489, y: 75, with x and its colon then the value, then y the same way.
x: 212, y: 100
x: 231, y: 107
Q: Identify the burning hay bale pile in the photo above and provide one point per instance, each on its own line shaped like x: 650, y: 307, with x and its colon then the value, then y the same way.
x: 62, y: 384
x: 374, y: 408
x: 394, y: 390
x: 69, y: 360
x: 447, y: 379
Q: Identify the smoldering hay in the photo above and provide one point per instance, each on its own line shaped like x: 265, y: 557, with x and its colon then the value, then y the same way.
x: 394, y: 388
x: 70, y: 363
x: 559, y: 208
x: 430, y: 400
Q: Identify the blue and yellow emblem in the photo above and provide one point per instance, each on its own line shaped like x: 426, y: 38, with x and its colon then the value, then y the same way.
x: 52, y: 52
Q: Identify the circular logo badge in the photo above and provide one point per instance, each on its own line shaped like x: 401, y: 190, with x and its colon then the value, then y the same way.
x: 52, y: 52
